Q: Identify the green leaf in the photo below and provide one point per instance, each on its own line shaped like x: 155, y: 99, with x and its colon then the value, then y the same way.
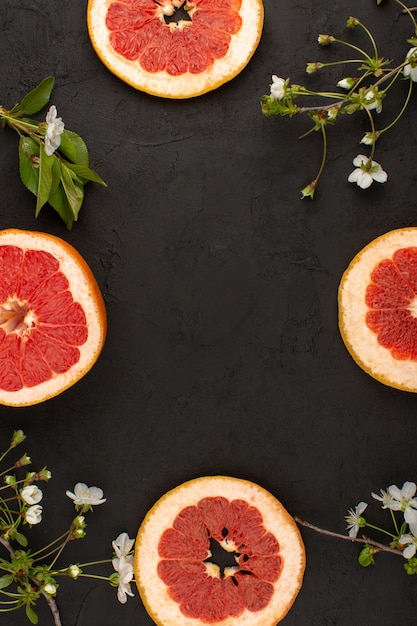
x: 366, y: 556
x: 21, y: 539
x: 86, y: 173
x: 36, y: 99
x: 59, y: 202
x: 31, y: 615
x: 73, y: 191
x: 6, y: 580
x: 45, y: 179
x: 74, y: 148
x: 29, y: 163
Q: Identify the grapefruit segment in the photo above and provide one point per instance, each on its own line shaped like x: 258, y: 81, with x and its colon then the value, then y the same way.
x: 52, y: 317
x: 144, y: 43
x: 378, y: 308
x: 179, y: 571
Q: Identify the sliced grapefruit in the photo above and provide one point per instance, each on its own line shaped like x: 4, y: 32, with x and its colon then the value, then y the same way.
x: 52, y: 317
x: 221, y: 551
x: 378, y: 308
x: 175, y: 48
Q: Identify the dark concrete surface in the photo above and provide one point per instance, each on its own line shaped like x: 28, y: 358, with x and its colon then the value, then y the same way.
x: 223, y: 352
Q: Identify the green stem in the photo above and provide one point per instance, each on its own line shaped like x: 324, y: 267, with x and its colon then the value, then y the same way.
x: 395, y: 120
x: 371, y: 38
x: 394, y: 520
x: 342, y: 62
x: 351, y: 45
x: 96, y: 576
x: 91, y: 563
x: 323, y: 159
x: 3, y: 454
x: 49, y: 545
x: 371, y: 119
x: 60, y: 550
x: 381, y: 530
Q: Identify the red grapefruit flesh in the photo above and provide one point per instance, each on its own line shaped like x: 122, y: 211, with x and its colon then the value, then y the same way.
x: 143, y: 43
x: 176, y: 572
x: 52, y: 317
x: 378, y: 308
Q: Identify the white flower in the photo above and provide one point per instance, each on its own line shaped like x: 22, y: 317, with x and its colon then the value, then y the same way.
x: 402, y: 499
x: 54, y: 130
x: 31, y: 494
x: 124, y: 566
x: 374, y: 100
x: 411, y: 68
x: 384, y: 497
x: 277, y: 87
x: 366, y: 172
x: 122, y: 545
x: 33, y: 514
x: 411, y: 542
x: 86, y: 497
x: 354, y: 519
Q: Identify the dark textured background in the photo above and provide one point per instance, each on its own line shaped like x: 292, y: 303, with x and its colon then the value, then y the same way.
x: 223, y: 352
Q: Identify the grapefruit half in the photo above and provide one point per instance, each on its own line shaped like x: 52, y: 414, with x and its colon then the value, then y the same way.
x: 180, y: 570
x: 175, y: 48
x: 52, y: 317
x: 378, y: 308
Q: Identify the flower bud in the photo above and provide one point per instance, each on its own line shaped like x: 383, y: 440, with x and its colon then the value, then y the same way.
x: 18, y: 437
x: 313, y: 67
x: 44, y: 474
x: 50, y: 589
x: 332, y: 113
x: 79, y: 522
x: 24, y: 460
x: 308, y: 192
x: 346, y: 83
x: 370, y: 138
x: 33, y: 514
x: 352, y: 22
x: 325, y: 40
x: 31, y: 494
x: 10, y: 480
x: 74, y: 571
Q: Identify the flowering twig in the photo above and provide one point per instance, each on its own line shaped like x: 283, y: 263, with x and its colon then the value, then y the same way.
x: 53, y: 161
x: 26, y: 575
x: 403, y: 541
x: 365, y: 92
x: 364, y: 540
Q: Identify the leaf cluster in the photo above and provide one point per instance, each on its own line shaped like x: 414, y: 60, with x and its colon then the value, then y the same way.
x: 58, y: 179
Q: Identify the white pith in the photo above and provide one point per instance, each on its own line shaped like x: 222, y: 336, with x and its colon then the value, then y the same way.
x: 154, y: 592
x: 242, y: 46
x: 81, y: 292
x: 362, y: 342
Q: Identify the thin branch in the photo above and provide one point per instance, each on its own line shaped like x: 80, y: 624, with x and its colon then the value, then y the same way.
x: 382, y: 547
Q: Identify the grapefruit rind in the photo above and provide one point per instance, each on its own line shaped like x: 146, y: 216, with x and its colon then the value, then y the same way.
x: 84, y: 289
x: 242, y: 47
x: 360, y: 341
x: 154, y: 593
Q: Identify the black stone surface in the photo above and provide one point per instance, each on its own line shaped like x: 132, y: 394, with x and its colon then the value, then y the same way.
x: 223, y: 353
